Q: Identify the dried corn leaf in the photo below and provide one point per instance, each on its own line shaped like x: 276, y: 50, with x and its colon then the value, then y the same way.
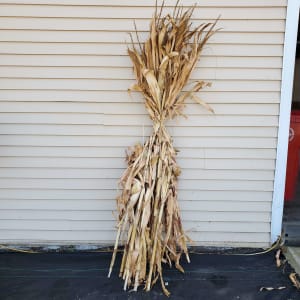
x: 152, y: 84
x: 201, y: 102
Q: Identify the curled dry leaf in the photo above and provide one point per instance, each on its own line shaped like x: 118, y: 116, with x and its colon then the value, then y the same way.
x: 294, y: 280
x: 268, y: 288
x: 277, y: 256
x: 149, y: 217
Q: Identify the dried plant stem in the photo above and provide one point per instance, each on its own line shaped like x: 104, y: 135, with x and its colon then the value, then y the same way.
x: 115, y: 252
x: 151, y: 204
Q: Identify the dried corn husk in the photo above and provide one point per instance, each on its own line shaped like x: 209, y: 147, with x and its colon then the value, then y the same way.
x: 149, y: 217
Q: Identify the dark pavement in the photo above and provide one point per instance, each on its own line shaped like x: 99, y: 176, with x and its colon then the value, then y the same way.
x: 84, y: 276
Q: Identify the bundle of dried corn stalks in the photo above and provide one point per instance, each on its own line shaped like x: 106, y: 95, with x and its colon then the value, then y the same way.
x: 148, y: 208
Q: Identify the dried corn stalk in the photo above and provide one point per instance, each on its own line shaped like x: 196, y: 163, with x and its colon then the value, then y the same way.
x: 149, y: 215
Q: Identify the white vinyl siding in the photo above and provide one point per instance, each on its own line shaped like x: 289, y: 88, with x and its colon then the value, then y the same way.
x: 66, y: 120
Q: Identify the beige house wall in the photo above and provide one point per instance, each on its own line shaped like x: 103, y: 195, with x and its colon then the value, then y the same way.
x: 66, y: 120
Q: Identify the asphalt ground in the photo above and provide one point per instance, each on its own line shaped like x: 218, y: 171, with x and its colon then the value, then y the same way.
x: 84, y: 276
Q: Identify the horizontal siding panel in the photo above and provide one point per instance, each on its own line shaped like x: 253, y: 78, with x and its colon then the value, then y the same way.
x: 87, y: 162
x: 9, y: 195
x: 121, y: 49
x: 264, y: 175
x: 91, y: 130
x: 209, y: 120
x: 110, y: 184
x: 126, y: 25
x: 59, y: 236
x: 229, y: 164
x: 104, y: 215
x: 109, y: 205
x: 119, y: 152
x: 74, y: 162
x: 207, y: 3
x: 121, y: 141
x: 120, y: 97
x: 47, y: 162
x: 238, y: 153
x: 126, y: 73
x: 203, y: 184
x: 132, y: 108
x: 78, y: 36
x: 193, y: 163
x: 124, y: 61
x: 57, y: 225
x: 138, y: 120
x: 135, y: 12
x: 109, y: 225
x: 123, y: 85
x: 57, y: 214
